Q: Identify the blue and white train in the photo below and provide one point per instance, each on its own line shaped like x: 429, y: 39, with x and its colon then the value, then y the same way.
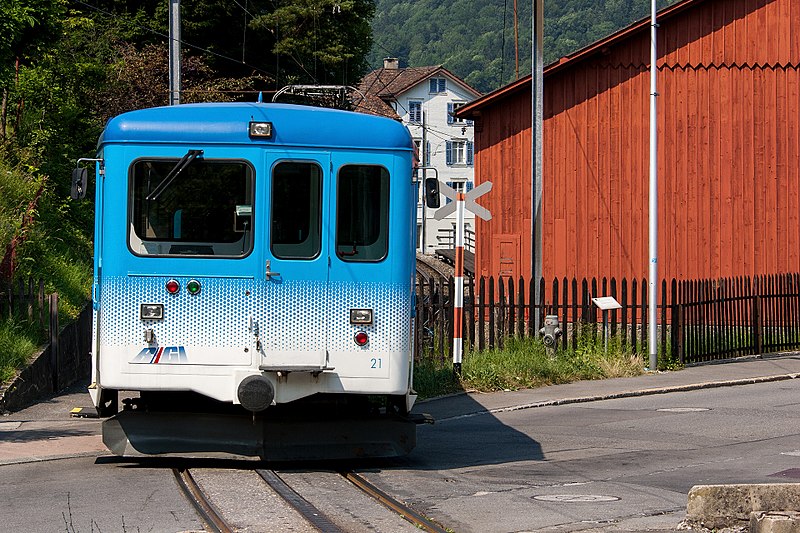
x: 254, y: 282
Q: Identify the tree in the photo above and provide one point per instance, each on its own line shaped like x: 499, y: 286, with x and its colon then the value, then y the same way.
x: 25, y: 27
x: 286, y: 41
x: 140, y: 79
x: 320, y: 41
x: 475, y: 38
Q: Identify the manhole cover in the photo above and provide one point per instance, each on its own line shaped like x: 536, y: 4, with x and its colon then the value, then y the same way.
x: 683, y: 409
x: 575, y: 498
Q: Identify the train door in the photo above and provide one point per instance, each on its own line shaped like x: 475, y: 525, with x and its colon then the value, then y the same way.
x: 364, y: 291
x: 290, y: 316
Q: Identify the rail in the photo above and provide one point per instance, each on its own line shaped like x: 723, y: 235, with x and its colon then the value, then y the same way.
x: 215, y: 521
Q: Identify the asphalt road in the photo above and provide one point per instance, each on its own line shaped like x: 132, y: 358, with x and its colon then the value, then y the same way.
x: 491, y: 463
x: 614, y: 465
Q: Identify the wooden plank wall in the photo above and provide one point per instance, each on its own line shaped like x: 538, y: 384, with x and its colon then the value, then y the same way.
x: 729, y: 172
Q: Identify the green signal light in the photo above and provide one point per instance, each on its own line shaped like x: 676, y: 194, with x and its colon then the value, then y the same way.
x: 193, y: 287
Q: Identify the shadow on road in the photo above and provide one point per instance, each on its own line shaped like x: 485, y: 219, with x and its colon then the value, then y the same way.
x: 465, y: 434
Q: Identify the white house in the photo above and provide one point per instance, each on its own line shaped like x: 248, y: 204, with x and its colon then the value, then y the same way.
x: 424, y: 99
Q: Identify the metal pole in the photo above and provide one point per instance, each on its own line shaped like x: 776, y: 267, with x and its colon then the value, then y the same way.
x: 458, y: 287
x: 537, y: 124
x: 424, y: 151
x: 652, y: 294
x: 174, y: 52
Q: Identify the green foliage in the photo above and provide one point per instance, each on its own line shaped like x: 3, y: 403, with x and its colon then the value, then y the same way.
x: 527, y: 363
x: 17, y: 189
x: 297, y: 41
x: 18, y: 340
x: 475, y: 39
x: 26, y: 28
x: 327, y: 39
x: 432, y: 378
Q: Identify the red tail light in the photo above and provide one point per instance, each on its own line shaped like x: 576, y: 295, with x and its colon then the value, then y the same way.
x: 361, y: 338
x: 173, y: 286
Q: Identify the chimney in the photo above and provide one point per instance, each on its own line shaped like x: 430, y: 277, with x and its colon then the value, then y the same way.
x: 391, y: 63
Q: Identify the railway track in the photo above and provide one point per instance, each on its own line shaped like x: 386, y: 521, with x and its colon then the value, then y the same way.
x: 431, y: 268
x: 229, y: 500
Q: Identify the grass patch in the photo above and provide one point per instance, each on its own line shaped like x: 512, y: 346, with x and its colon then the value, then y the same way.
x: 18, y: 341
x: 525, y: 364
x: 435, y: 378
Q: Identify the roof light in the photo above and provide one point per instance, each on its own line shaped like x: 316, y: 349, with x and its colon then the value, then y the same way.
x: 173, y: 286
x: 261, y: 129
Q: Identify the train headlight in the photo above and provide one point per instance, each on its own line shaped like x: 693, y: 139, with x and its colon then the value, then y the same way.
x: 361, y: 338
x: 261, y: 129
x: 361, y: 316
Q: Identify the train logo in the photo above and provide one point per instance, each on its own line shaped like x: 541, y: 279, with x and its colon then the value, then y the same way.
x: 169, y: 355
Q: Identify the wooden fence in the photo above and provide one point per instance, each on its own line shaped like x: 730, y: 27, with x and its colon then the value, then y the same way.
x: 23, y: 298
x: 697, y: 320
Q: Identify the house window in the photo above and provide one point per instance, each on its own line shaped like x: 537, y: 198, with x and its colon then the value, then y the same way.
x: 452, y: 107
x: 459, y: 152
x: 458, y: 186
x: 415, y: 111
x: 438, y: 85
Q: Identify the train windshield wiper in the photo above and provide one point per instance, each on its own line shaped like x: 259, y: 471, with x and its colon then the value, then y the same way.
x: 185, y: 161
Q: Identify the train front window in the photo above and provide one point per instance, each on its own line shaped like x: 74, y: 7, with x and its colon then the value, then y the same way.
x: 362, y: 213
x: 296, y: 223
x: 191, y: 206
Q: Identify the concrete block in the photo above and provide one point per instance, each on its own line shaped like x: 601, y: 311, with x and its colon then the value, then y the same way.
x: 775, y: 522
x: 720, y: 506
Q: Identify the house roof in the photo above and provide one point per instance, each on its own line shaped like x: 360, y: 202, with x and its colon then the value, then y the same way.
x: 471, y: 110
x: 383, y: 85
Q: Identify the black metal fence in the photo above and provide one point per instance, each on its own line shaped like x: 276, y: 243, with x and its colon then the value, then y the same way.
x: 698, y: 320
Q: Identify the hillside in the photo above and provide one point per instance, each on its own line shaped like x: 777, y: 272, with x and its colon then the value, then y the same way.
x: 475, y: 38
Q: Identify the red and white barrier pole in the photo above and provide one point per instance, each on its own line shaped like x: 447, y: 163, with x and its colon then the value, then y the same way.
x: 458, y: 297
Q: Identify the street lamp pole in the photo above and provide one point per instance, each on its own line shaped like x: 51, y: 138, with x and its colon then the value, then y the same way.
x: 537, y: 125
x: 652, y: 294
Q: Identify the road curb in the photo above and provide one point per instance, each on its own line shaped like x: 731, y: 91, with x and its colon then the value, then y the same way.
x: 775, y: 522
x: 724, y: 506
x: 628, y: 394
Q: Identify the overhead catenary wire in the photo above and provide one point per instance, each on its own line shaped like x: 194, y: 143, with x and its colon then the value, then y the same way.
x: 196, y: 47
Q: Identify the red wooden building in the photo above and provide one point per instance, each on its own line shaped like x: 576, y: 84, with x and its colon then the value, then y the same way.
x: 729, y: 151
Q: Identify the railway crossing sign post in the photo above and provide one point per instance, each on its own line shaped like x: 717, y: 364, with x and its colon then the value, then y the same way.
x: 460, y: 202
